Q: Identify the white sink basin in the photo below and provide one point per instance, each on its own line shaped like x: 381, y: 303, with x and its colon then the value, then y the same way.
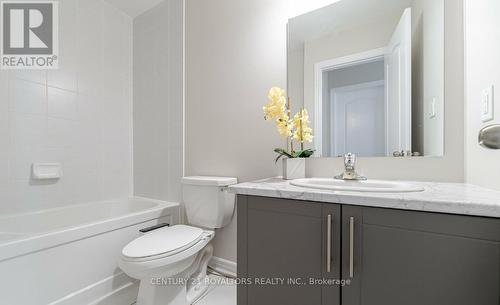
x: 375, y: 186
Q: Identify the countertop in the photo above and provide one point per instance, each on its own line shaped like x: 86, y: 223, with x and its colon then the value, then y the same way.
x: 451, y: 198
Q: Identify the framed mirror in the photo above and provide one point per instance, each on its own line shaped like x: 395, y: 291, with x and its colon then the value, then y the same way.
x: 371, y: 75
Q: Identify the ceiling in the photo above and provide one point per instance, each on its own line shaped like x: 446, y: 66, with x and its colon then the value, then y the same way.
x: 134, y: 8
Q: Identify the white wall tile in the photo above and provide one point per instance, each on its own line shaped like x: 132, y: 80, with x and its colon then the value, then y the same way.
x: 61, y: 133
x: 24, y: 196
x: 88, y: 109
x: 158, y: 104
x: 90, y: 49
x: 175, y: 170
x: 27, y: 97
x: 28, y: 134
x: 88, y: 187
x: 27, y: 130
x: 88, y: 4
x: 65, y: 77
x: 20, y: 160
x: 62, y: 104
x: 65, y: 116
x: 4, y: 128
x: 37, y: 76
x: 5, y: 206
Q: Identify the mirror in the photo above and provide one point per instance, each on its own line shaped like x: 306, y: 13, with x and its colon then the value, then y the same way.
x: 371, y: 75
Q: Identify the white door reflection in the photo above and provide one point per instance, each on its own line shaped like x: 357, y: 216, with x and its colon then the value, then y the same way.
x: 357, y: 114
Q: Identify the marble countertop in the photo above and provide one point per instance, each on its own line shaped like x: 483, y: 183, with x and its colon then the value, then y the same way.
x: 452, y: 198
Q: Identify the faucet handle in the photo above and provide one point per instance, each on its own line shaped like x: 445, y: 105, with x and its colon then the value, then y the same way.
x: 349, y: 160
x: 350, y: 170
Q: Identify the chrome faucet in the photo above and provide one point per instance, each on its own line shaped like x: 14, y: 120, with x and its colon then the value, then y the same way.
x: 350, y: 169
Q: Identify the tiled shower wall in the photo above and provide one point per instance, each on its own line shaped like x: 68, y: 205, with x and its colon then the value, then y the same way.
x: 158, y: 102
x: 79, y: 115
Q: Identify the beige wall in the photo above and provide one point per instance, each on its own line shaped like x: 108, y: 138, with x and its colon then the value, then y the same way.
x: 482, y: 62
x: 235, y: 51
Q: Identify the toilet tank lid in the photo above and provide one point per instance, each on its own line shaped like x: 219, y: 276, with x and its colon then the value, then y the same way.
x: 209, y: 181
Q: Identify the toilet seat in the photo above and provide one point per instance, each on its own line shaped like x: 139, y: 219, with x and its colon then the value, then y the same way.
x: 166, y: 264
x: 164, y: 242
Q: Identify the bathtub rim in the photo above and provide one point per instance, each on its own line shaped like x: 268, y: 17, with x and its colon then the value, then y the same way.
x: 31, y: 243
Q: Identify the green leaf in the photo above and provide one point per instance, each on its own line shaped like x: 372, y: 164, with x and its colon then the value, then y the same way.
x: 294, y: 154
x: 278, y: 158
x: 305, y: 153
x: 282, y: 153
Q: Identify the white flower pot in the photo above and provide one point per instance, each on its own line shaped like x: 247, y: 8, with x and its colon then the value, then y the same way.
x: 294, y: 168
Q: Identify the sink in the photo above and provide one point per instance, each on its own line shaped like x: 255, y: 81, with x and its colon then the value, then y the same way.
x: 374, y: 186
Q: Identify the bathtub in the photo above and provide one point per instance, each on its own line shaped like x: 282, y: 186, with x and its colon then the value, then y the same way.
x: 69, y: 255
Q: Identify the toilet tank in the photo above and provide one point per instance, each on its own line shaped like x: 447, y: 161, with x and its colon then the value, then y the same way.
x: 207, y: 201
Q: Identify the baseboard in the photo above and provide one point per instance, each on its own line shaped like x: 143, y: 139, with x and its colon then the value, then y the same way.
x: 223, y: 266
x: 117, y: 289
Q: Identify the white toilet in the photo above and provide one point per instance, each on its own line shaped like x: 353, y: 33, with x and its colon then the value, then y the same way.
x: 171, y: 262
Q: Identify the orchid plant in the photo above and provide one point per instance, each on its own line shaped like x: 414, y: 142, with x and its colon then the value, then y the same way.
x: 292, y: 129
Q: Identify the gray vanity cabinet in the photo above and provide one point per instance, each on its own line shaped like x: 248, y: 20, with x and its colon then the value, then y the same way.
x: 396, y: 257
x: 286, y: 239
x: 391, y: 257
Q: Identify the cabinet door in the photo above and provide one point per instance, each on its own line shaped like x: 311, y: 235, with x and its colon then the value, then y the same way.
x: 414, y: 258
x: 286, y: 239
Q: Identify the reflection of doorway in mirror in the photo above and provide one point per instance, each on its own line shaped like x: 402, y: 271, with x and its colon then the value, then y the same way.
x: 343, y: 74
x: 390, y: 124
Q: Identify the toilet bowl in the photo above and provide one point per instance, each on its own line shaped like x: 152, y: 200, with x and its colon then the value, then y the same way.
x: 171, y: 262
x: 165, y: 260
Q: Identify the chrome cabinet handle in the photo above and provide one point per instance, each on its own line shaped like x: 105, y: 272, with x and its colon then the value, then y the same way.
x: 351, y: 247
x: 329, y: 243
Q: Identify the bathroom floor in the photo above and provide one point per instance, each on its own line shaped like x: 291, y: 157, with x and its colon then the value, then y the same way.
x: 220, y: 294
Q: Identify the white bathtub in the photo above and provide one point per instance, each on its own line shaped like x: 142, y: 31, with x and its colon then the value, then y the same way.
x: 69, y: 255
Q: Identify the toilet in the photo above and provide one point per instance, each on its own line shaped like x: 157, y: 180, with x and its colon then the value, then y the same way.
x: 171, y: 262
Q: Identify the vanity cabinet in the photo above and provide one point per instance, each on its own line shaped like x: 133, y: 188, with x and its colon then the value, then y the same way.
x: 391, y: 257
x: 415, y: 258
x: 286, y: 239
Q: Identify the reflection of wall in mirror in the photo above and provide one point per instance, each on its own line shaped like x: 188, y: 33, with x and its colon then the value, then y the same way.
x: 428, y: 77
x: 296, y: 79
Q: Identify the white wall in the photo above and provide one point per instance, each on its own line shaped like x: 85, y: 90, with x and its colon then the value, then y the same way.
x: 235, y: 51
x: 482, y: 62
x: 158, y: 102
x: 79, y: 115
